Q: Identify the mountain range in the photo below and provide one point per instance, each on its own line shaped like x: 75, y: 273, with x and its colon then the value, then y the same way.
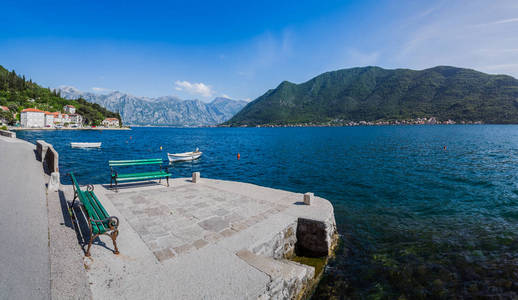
x: 167, y: 110
x: 377, y: 94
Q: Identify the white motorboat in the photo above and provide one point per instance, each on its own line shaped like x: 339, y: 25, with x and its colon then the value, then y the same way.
x: 186, y: 156
x: 85, y: 145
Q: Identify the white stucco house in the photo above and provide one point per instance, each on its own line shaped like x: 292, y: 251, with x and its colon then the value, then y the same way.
x: 110, y: 122
x: 49, y: 119
x: 32, y: 118
x: 76, y: 119
x: 69, y: 109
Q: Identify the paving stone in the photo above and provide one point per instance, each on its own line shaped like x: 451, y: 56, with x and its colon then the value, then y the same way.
x: 200, y: 243
x: 213, y: 237
x: 238, y: 226
x: 214, y: 224
x: 168, y: 242
x: 164, y: 254
x: 227, y: 232
x: 191, y: 233
x: 220, y: 212
x: 203, y: 214
x: 183, y: 248
x: 233, y: 217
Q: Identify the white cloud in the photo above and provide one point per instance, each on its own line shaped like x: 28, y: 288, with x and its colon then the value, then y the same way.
x: 502, y: 21
x: 194, y: 88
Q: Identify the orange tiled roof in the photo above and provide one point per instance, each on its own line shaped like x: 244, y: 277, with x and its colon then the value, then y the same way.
x: 111, y: 119
x: 4, y: 108
x: 32, y: 110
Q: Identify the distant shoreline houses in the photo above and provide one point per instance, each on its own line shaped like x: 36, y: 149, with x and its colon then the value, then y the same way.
x: 110, y: 122
x: 35, y: 118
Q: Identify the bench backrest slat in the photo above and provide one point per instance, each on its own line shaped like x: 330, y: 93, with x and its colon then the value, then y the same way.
x: 99, y: 209
x: 134, y: 162
x: 74, y: 180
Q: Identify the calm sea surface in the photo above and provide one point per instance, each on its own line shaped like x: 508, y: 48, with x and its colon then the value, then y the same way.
x: 417, y: 220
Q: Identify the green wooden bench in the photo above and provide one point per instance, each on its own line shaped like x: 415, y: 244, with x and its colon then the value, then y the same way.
x: 99, y: 221
x: 116, y: 177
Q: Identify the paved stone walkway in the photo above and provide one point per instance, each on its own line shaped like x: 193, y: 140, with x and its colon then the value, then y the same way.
x: 24, y: 251
x: 172, y: 223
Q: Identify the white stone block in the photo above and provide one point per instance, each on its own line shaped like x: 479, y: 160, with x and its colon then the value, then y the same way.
x: 53, y: 182
x: 308, y: 198
x: 196, y: 177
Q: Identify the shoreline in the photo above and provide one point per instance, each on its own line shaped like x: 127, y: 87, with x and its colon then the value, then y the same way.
x: 83, y: 128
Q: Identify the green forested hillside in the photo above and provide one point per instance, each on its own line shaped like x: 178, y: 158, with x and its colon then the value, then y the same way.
x: 374, y: 94
x: 16, y: 93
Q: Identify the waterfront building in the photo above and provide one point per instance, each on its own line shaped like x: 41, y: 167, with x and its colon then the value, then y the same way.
x: 32, y: 118
x: 35, y: 118
x: 49, y: 119
x: 65, y: 119
x: 110, y: 122
x: 76, y: 120
x: 69, y: 109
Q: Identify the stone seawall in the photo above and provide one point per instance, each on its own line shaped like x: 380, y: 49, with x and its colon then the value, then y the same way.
x: 305, y: 237
x: 7, y: 133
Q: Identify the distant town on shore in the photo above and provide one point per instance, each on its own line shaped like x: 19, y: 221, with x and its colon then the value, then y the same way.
x: 35, y: 118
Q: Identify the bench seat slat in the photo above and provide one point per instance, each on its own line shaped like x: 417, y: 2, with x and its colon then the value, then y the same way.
x: 99, y: 212
x: 142, y: 174
x: 144, y: 177
x: 92, y: 213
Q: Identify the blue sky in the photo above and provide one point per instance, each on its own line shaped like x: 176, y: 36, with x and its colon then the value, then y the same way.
x: 202, y: 49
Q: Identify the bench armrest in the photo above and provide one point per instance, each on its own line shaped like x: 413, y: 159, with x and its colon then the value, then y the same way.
x: 113, y: 222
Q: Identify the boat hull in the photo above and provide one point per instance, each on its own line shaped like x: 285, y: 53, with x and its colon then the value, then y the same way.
x: 183, y: 156
x: 85, y: 145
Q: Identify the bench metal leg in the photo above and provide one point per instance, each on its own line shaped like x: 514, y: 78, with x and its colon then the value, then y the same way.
x: 114, y: 235
x: 92, y: 238
x: 167, y: 178
x: 72, y: 205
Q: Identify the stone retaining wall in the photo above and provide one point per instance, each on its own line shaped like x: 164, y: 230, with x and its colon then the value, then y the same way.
x: 46, y: 153
x: 305, y: 237
x: 282, y: 245
x: 7, y: 133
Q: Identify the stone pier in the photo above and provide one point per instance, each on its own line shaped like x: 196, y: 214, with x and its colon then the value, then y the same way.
x: 199, y: 238
x: 211, y: 239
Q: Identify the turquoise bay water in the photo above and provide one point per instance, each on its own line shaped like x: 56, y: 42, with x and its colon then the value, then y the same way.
x: 417, y: 220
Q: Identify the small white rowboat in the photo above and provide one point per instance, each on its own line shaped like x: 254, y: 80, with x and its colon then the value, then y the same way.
x: 85, y: 145
x: 186, y: 156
